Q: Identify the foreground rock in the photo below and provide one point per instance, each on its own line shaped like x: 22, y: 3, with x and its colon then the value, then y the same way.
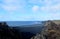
x: 50, y: 31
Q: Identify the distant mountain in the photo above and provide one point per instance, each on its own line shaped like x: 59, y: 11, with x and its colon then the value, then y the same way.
x: 30, y: 28
x: 28, y: 31
x: 20, y: 23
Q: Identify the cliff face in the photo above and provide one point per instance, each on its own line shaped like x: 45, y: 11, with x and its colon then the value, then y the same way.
x: 50, y: 31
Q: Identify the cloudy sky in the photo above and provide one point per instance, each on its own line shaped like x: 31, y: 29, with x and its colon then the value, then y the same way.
x: 29, y: 10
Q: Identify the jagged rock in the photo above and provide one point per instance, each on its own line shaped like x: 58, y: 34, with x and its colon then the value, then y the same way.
x: 50, y: 31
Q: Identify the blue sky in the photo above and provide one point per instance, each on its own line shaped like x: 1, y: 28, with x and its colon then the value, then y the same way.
x: 29, y: 10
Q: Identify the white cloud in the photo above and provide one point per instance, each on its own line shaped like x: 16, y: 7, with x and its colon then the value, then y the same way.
x: 56, y: 15
x: 10, y: 8
x: 46, y: 6
x: 49, y: 6
x: 35, y: 8
x: 13, y: 5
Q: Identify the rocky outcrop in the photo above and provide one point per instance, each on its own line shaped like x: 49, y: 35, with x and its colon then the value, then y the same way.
x: 50, y: 31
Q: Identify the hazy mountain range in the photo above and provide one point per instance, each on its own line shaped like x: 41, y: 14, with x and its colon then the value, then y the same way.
x: 20, y: 23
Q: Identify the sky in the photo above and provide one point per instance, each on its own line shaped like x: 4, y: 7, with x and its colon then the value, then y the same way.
x: 29, y: 10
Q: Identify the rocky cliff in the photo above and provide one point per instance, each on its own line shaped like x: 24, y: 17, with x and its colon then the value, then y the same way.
x: 50, y: 31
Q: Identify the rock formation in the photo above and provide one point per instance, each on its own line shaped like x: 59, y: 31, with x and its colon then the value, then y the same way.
x: 7, y: 33
x: 50, y: 31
